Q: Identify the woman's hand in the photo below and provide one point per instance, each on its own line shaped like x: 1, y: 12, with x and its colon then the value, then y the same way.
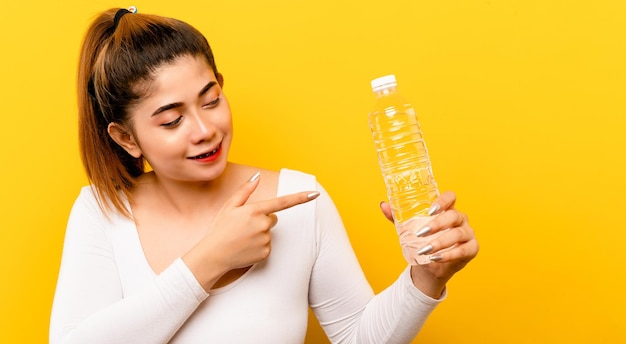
x: 239, y: 235
x: 449, y: 252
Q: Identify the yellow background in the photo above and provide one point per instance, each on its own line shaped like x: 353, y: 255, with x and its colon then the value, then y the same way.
x: 521, y: 104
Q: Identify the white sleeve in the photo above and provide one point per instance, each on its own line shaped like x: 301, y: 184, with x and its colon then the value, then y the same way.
x: 89, y: 305
x: 343, y: 300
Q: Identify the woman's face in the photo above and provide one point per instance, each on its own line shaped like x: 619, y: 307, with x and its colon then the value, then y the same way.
x: 183, y: 128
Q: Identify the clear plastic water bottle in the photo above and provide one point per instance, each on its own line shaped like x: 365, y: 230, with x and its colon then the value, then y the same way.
x: 405, y: 165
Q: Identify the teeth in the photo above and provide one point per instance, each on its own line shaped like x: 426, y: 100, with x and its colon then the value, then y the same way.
x: 206, y: 155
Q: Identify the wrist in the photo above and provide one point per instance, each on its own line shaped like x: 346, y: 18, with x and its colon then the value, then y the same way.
x: 205, y: 267
x: 427, y: 283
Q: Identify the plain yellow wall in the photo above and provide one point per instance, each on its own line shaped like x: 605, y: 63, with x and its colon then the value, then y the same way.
x: 521, y: 104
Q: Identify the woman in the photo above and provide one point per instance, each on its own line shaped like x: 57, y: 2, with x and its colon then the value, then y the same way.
x: 198, y: 249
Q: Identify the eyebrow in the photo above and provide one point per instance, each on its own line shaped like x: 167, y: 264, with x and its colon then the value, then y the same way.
x: 206, y: 88
x: 170, y: 106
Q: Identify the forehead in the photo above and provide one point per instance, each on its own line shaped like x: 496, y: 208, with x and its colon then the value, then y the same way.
x: 180, y: 74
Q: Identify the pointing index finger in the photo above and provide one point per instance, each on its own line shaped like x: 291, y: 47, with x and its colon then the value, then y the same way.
x: 287, y: 201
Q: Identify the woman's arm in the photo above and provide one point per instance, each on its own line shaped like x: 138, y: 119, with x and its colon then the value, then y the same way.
x: 343, y: 300
x: 89, y: 305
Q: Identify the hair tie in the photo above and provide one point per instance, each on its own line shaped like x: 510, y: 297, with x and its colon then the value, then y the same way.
x: 120, y: 13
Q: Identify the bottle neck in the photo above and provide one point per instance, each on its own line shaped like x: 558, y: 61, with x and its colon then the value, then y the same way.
x: 389, y: 99
x: 386, y: 91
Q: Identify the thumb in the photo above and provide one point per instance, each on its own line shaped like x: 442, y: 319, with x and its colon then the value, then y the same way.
x: 386, y: 209
x: 241, y: 196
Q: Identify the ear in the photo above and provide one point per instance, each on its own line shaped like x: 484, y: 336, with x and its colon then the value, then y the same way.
x: 124, y: 139
x: 220, y: 79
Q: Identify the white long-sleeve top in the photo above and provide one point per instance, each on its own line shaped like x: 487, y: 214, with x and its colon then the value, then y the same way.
x: 107, y: 292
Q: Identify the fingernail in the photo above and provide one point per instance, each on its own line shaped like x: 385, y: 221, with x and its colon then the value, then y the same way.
x: 433, y: 209
x: 425, y: 250
x: 313, y: 195
x: 435, y: 257
x: 425, y: 230
x: 254, y: 177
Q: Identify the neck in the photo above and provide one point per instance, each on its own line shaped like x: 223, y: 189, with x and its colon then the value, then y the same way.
x: 190, y: 198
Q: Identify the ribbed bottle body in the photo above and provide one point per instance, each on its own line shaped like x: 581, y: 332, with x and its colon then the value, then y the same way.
x: 403, y: 157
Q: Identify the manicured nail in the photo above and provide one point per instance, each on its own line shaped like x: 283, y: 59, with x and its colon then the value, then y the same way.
x: 433, y: 209
x: 425, y: 250
x: 254, y: 177
x: 425, y: 230
x: 313, y: 195
x: 435, y: 257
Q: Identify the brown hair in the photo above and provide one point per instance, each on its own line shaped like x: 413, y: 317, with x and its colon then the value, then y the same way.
x: 116, y: 66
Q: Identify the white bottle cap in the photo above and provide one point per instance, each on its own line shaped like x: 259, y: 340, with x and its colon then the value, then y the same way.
x: 383, y: 82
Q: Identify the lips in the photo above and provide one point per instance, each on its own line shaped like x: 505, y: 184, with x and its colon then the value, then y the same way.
x: 208, y: 154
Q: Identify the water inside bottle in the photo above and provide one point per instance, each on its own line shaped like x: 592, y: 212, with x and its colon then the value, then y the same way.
x: 405, y: 165
x: 411, y: 243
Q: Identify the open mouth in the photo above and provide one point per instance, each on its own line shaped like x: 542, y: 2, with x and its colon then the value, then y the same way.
x: 206, y: 155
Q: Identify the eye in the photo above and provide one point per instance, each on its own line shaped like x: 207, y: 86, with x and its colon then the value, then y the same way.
x: 212, y: 103
x: 173, y: 123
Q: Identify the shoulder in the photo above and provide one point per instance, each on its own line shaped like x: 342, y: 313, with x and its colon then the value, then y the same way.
x: 89, y: 207
x: 86, y: 221
x: 276, y: 183
x: 87, y: 198
x: 290, y: 181
x: 287, y: 173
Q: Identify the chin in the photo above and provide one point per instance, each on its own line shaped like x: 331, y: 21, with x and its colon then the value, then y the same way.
x: 215, y: 171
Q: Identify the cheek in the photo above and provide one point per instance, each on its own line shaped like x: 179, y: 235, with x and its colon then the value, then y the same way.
x: 224, y: 110
x: 155, y: 142
x: 226, y: 123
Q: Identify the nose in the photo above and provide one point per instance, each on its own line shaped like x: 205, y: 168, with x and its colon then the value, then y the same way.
x: 202, y: 128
